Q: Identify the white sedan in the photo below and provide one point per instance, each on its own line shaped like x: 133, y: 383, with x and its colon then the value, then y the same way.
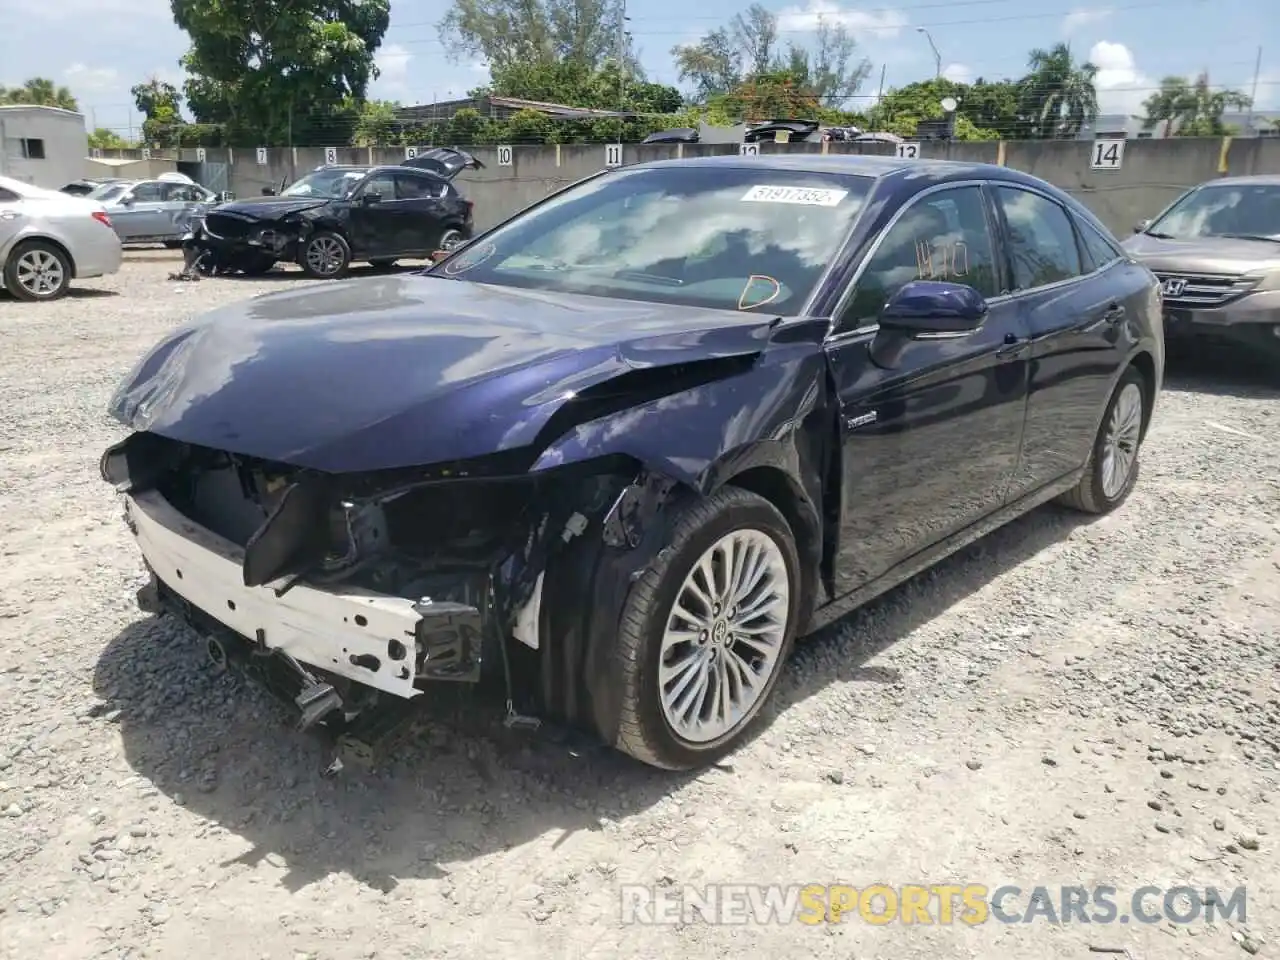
x: 48, y: 238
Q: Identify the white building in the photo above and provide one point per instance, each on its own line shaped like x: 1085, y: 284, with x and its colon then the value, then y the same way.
x: 1259, y: 123
x: 43, y: 146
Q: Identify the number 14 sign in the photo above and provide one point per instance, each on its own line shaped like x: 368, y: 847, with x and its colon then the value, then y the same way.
x: 1107, y: 155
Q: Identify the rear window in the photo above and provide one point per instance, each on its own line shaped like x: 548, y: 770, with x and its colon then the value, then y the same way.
x: 729, y: 238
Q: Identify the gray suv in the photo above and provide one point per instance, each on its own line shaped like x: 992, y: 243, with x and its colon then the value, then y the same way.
x: 1216, y: 251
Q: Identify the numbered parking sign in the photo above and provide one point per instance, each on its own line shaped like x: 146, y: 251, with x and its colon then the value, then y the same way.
x: 146, y: 153
x: 1107, y: 155
x: 95, y: 152
x: 262, y: 156
x: 410, y: 152
x: 748, y: 149
x: 613, y: 154
x: 200, y: 155
x: 909, y: 151
x: 330, y: 155
x: 504, y: 156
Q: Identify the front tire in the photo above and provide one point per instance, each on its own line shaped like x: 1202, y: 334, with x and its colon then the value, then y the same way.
x: 706, y: 630
x: 325, y: 255
x: 37, y: 271
x: 1112, y: 468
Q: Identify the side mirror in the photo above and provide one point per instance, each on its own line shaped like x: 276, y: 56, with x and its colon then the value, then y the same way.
x: 226, y: 196
x: 371, y: 197
x: 1142, y: 225
x: 268, y: 191
x: 126, y: 201
x: 934, y: 310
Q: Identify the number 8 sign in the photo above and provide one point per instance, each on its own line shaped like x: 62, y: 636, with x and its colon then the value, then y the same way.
x: 330, y: 155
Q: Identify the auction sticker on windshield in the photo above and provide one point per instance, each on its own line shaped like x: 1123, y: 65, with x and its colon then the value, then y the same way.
x: 808, y: 196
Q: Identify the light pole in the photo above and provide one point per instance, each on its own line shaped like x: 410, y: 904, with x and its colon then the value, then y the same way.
x: 937, y: 57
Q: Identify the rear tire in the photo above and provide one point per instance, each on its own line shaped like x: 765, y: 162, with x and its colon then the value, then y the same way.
x: 731, y: 551
x: 382, y: 264
x: 37, y: 271
x: 325, y: 255
x: 1112, y: 469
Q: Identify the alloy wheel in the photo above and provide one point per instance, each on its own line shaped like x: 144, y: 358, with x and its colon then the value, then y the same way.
x: 724, y: 637
x: 40, y: 273
x: 325, y: 255
x: 451, y: 240
x: 1120, y: 442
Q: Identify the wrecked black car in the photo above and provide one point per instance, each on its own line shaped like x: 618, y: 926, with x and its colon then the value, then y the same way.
x: 338, y: 215
x: 619, y: 452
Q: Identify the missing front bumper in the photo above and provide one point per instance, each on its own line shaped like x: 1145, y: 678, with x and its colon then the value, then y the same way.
x: 387, y: 643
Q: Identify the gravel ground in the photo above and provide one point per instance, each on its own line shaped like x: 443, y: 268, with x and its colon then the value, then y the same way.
x: 1065, y: 703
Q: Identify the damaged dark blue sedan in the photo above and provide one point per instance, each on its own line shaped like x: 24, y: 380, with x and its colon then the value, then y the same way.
x: 622, y: 450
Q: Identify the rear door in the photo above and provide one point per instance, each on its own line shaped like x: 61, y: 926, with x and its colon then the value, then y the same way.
x: 140, y: 212
x: 1074, y: 310
x: 927, y: 446
x: 426, y: 201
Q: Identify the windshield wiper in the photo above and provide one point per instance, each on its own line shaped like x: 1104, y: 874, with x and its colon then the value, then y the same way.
x: 1250, y: 236
x: 1159, y: 236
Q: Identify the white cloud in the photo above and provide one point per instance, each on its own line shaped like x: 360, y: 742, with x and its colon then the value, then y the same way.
x: 958, y: 73
x: 393, y: 72
x: 1120, y: 84
x: 882, y: 23
x: 1082, y: 17
x: 85, y: 79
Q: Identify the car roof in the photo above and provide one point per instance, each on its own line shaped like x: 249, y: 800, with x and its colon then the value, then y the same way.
x: 858, y: 165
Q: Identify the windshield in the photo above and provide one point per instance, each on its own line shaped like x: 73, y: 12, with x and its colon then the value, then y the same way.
x: 1231, y: 210
x: 728, y: 238
x: 324, y: 183
x: 106, y: 192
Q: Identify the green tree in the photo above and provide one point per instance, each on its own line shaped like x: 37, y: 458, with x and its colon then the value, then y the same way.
x: 1190, y: 109
x: 713, y: 65
x: 161, y: 105
x: 377, y: 124
x: 504, y: 33
x: 1058, y: 95
x: 275, y: 70
x: 104, y: 139
x: 988, y: 110
x: 40, y: 91
x: 778, y: 93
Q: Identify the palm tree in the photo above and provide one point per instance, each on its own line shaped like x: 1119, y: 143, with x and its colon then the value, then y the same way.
x: 40, y: 91
x: 1058, y: 95
x: 1190, y: 109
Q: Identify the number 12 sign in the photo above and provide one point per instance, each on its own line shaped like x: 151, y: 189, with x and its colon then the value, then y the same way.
x: 1107, y: 155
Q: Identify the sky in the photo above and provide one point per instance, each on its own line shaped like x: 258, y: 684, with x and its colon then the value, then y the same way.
x: 100, y: 48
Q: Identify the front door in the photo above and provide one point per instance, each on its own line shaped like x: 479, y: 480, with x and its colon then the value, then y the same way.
x: 375, y: 224
x: 928, y: 445
x: 141, y: 213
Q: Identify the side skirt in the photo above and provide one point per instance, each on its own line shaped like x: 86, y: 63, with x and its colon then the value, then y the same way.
x: 926, y: 558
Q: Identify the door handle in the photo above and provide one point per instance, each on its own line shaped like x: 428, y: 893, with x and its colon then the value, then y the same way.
x: 1013, y: 346
x: 1115, y: 313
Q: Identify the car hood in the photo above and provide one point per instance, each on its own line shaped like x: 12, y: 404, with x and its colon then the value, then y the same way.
x: 387, y: 372
x: 1224, y: 255
x: 270, y: 208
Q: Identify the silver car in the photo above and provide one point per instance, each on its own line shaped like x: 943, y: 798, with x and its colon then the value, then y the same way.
x: 154, y: 211
x: 1216, y: 250
x: 48, y: 238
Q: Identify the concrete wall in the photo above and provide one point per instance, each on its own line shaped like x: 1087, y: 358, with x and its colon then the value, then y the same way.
x: 65, y: 145
x: 1153, y: 172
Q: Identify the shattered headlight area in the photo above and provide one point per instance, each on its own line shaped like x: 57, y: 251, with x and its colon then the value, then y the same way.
x: 436, y: 575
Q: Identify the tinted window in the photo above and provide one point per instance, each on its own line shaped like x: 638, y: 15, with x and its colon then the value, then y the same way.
x: 382, y: 184
x: 107, y: 192
x: 1042, y: 245
x: 147, y: 192
x: 1233, y: 209
x: 943, y: 236
x: 736, y: 238
x: 1100, y: 250
x: 7, y: 196
x: 415, y: 188
x: 183, y: 192
x: 328, y: 182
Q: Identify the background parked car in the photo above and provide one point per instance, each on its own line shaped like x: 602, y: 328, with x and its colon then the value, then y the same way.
x: 48, y: 238
x: 82, y: 188
x: 154, y: 211
x: 337, y: 215
x: 1216, y: 250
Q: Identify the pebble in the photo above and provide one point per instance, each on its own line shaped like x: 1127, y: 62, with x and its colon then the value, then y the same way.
x: 1247, y: 842
x: 1155, y: 805
x: 1219, y: 824
x: 973, y: 764
x: 1163, y: 827
x: 13, y: 810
